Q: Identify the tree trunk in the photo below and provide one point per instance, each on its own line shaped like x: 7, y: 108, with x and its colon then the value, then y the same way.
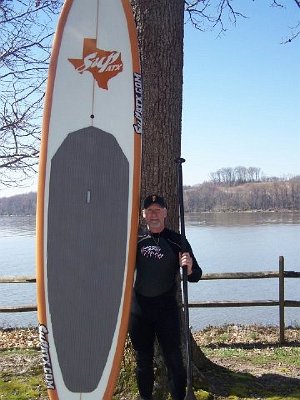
x: 160, y: 33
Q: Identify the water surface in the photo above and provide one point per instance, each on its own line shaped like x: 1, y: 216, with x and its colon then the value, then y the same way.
x: 222, y: 242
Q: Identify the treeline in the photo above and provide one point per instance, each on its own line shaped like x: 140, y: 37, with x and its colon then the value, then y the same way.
x: 274, y: 195
x: 22, y: 204
x: 234, y: 176
x: 208, y: 196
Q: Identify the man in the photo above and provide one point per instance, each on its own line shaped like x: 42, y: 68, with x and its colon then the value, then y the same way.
x: 155, y: 312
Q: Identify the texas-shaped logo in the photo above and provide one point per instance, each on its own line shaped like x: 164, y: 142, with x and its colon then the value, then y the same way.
x: 102, y: 64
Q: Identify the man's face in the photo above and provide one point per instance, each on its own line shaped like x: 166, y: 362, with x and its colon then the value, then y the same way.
x: 155, y: 217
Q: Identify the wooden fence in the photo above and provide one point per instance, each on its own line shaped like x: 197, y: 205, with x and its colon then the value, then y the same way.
x: 281, y: 302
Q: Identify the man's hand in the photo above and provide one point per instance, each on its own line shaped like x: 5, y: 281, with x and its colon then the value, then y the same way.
x: 186, y: 260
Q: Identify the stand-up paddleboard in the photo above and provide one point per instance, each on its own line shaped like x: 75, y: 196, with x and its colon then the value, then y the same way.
x: 88, y: 198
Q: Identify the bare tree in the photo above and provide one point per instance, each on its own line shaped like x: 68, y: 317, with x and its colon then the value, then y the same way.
x: 26, y: 30
x: 254, y: 174
x: 294, y: 30
x: 240, y: 174
x: 209, y: 14
x: 219, y: 14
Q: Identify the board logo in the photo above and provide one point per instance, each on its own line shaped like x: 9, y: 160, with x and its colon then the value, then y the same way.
x: 138, y: 96
x: 102, y: 64
x: 49, y: 378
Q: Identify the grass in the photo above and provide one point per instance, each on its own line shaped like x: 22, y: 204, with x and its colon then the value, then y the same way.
x: 22, y: 388
x: 21, y: 380
x: 286, y: 356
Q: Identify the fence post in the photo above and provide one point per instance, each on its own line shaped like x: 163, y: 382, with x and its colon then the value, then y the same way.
x: 281, y: 299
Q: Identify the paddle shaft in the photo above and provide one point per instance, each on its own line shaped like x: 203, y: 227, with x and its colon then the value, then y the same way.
x: 190, y: 394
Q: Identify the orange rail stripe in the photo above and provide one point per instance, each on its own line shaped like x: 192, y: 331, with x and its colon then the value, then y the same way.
x: 132, y: 35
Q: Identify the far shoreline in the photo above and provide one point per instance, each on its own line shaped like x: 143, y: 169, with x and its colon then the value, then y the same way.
x: 273, y: 211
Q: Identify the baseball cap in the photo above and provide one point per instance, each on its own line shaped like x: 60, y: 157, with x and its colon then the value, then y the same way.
x: 154, y: 199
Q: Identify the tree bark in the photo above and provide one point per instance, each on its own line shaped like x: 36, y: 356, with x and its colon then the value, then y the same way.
x: 160, y: 33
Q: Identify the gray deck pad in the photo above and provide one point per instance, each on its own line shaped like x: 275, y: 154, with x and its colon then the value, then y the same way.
x: 86, y: 251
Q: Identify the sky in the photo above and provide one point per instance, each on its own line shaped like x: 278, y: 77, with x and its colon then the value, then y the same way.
x: 241, y: 96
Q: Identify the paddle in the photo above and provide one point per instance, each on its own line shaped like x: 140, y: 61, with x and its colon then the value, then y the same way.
x: 189, y: 391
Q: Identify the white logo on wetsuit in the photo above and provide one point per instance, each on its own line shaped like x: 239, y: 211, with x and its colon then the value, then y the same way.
x: 152, y: 251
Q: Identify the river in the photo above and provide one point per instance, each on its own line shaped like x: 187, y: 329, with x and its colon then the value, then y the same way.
x: 222, y: 242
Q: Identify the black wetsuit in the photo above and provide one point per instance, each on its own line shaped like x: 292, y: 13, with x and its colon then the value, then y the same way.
x: 155, y: 311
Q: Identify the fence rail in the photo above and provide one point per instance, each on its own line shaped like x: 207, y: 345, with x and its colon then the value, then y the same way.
x: 281, y: 274
x: 281, y: 302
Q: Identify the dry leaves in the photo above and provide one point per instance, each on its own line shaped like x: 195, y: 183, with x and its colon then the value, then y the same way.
x: 245, y: 335
x: 21, y: 338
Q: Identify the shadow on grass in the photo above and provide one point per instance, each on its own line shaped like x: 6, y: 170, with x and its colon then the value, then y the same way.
x: 223, y: 382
